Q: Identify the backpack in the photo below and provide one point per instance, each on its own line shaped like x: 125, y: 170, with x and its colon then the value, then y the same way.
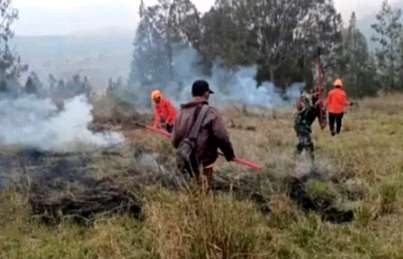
x: 185, y: 153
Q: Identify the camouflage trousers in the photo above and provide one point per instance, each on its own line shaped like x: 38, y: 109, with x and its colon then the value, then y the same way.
x: 305, y: 144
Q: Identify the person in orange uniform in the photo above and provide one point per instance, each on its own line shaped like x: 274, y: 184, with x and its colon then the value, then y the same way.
x: 164, y: 111
x: 336, y: 104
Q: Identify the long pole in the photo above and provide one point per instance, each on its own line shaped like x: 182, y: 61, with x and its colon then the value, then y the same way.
x: 238, y: 161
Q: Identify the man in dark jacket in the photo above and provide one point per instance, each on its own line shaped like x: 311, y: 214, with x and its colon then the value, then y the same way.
x: 212, y: 135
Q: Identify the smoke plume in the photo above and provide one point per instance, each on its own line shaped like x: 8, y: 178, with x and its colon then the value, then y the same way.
x: 231, y: 85
x: 38, y: 123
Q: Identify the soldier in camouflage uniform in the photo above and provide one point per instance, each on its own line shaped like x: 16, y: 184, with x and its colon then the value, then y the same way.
x: 307, y: 111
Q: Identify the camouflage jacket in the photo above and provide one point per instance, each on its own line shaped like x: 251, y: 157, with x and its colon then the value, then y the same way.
x: 306, y: 114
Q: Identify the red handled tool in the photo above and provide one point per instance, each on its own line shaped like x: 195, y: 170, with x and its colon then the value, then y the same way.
x: 238, y: 161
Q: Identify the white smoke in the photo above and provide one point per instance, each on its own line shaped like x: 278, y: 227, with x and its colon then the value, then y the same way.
x: 31, y: 122
x: 241, y: 87
x: 231, y: 85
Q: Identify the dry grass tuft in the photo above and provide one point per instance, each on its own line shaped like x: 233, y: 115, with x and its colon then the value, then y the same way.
x: 201, y: 226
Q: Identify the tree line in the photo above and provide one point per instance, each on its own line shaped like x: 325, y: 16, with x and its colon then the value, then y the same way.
x: 279, y: 37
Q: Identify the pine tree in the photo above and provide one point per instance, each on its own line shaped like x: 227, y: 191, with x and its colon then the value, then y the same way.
x: 355, y: 64
x: 149, y: 63
x: 164, y: 29
x: 52, y: 83
x: 388, y: 31
x: 279, y: 36
x: 10, y: 63
x: 401, y: 58
x: 33, y: 84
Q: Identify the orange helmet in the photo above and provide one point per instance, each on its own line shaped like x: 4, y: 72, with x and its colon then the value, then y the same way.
x: 156, y: 94
x: 338, y: 83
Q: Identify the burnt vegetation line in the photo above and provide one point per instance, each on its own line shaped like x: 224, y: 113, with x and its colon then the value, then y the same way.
x: 62, y: 186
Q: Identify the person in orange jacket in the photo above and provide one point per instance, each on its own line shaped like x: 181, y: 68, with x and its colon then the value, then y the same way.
x: 336, y: 104
x: 164, y: 111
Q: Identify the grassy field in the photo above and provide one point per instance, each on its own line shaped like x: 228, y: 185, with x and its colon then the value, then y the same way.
x: 362, y: 170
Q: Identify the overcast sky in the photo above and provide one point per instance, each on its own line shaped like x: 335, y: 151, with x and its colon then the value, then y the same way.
x: 51, y: 17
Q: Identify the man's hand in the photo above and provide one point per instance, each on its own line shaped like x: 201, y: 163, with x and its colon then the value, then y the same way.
x: 230, y: 158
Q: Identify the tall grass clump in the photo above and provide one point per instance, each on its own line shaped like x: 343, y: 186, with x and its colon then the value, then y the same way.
x: 202, y: 226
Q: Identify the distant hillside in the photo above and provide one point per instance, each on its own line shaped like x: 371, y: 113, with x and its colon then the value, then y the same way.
x: 97, y: 56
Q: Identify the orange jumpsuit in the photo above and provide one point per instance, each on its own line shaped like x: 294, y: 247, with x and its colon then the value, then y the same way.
x: 337, y: 101
x: 164, y: 111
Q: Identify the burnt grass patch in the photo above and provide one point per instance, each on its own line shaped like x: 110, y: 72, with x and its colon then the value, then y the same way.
x: 70, y: 186
x: 324, y: 204
x: 310, y: 193
x: 82, y: 185
x: 82, y: 200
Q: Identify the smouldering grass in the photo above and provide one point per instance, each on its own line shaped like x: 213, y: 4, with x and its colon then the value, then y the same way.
x: 365, y: 163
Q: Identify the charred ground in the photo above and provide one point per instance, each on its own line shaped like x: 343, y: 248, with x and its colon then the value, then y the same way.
x: 134, y: 205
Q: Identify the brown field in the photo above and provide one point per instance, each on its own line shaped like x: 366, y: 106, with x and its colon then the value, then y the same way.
x: 360, y: 171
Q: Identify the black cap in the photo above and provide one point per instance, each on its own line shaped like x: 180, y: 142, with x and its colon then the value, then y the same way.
x: 200, y: 87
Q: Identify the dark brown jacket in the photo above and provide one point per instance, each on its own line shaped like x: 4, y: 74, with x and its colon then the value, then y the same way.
x: 212, y: 136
